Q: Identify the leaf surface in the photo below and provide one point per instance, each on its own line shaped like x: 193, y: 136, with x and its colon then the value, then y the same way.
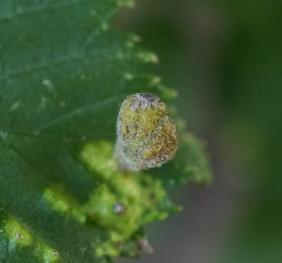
x: 63, y: 75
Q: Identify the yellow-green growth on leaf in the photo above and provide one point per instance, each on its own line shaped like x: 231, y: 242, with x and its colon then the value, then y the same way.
x: 124, y: 202
x: 18, y: 235
x: 61, y: 202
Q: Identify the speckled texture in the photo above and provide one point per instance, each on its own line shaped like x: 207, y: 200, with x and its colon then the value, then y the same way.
x: 147, y: 137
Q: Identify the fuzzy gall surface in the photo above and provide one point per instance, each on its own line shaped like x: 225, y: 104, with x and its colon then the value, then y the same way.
x: 147, y: 136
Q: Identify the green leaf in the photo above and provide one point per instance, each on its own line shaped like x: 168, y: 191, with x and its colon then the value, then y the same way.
x: 63, y: 75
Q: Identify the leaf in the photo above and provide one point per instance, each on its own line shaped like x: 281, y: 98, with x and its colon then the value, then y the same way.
x: 63, y: 75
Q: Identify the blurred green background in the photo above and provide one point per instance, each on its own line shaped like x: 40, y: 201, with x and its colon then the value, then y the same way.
x: 225, y: 59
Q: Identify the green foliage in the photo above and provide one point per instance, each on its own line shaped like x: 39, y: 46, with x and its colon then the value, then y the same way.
x: 63, y: 75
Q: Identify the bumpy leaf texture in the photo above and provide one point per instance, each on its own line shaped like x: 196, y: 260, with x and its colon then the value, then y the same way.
x: 63, y: 75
